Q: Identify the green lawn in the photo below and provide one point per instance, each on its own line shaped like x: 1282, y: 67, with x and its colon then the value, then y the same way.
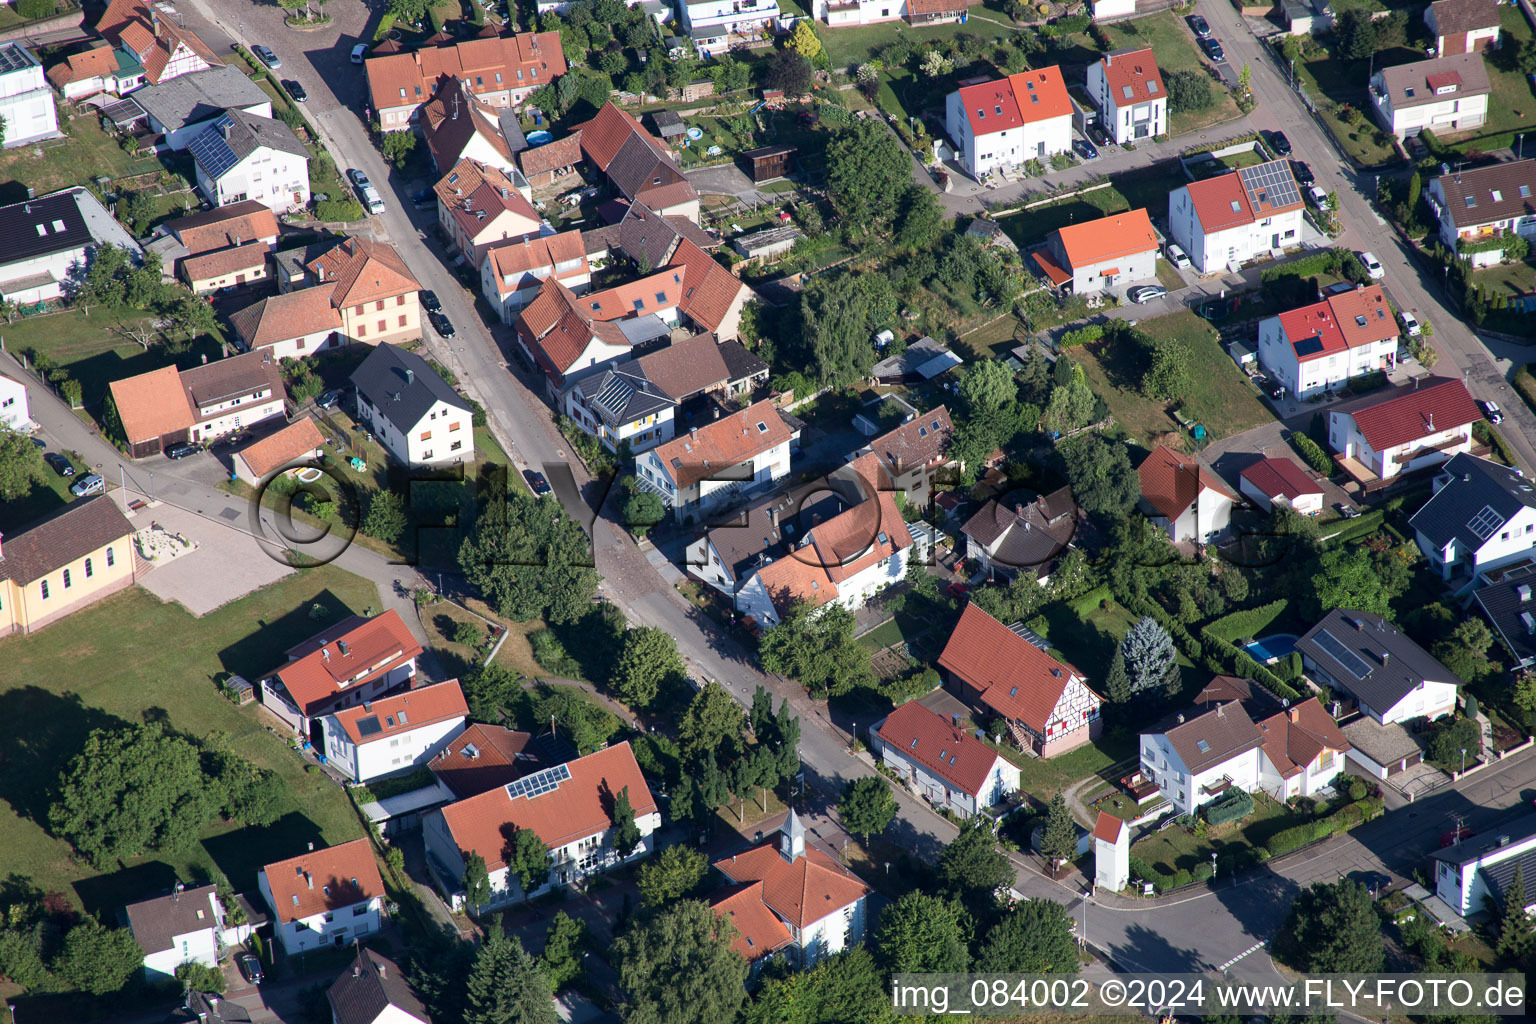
x: 87, y: 152
x: 131, y: 658
x: 1176, y: 848
x: 1220, y: 395
x: 1175, y: 47
x: 1512, y: 106
x: 1146, y: 187
x: 856, y: 44
x: 1334, y: 84
x: 1043, y: 779
x: 44, y: 497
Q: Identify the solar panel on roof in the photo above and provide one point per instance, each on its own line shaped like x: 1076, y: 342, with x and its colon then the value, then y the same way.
x: 1351, y: 661
x: 1273, y: 180
x: 369, y: 726
x: 1309, y: 346
x: 210, y: 149
x: 1485, y: 522
x: 539, y: 783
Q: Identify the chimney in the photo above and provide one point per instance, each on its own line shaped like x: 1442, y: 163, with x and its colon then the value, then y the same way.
x: 357, y: 970
x: 380, y: 965
x: 1295, y: 714
x: 410, y: 375
x: 693, y: 433
x: 205, y: 358
x: 325, y: 654
x: 1181, y: 718
x: 320, y: 273
x: 1385, y: 657
x: 311, y: 847
x: 341, y: 645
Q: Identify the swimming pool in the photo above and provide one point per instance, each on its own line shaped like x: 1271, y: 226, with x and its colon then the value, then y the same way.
x: 1268, y: 648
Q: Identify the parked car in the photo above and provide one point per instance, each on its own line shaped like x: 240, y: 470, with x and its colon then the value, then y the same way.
x: 296, y: 91
x: 441, y: 324
x: 1279, y: 143
x: 1302, y: 173
x: 1085, y: 149
x: 371, y: 200
x: 357, y: 177
x: 1317, y: 197
x: 1213, y: 50
x: 1200, y: 26
x: 359, y: 52
x: 329, y: 399
x: 250, y: 968
x: 429, y: 301
x: 1410, y: 324
x: 1491, y: 411
x: 1146, y: 293
x: 1347, y: 511
x: 89, y: 484
x: 1177, y: 256
x: 536, y: 481
x: 38, y: 442
x: 181, y: 451
x: 267, y: 57
x: 60, y: 464
x: 423, y: 199
x: 1373, y: 267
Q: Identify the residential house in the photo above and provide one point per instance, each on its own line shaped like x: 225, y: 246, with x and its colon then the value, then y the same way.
x: 1448, y: 94
x: 1183, y: 498
x: 210, y: 231
x: 816, y: 907
x: 412, y: 411
x: 1046, y: 703
x: 839, y: 13
x: 374, y: 991
x: 727, y: 554
x: 43, y: 243
x: 167, y: 406
x: 716, y: 26
x: 457, y: 125
x: 1393, y: 679
x: 97, y: 69
x: 511, y: 273
x: 324, y: 898
x: 15, y: 409
x: 1477, y: 208
x: 207, y: 1008
x: 1482, y: 516
x: 711, y: 467
x: 1225, y: 221
x: 1274, y: 483
x: 640, y: 165
x: 1007, y: 122
x: 241, y: 156
x: 500, y: 71
x: 238, y: 265
x: 26, y: 102
x: 182, y: 107
x: 394, y: 734
x: 1011, y: 538
x: 183, y: 926
x: 72, y: 557
x: 352, y: 661
x: 922, y: 360
x: 915, y: 456
x: 162, y: 48
x: 483, y: 757
x: 1128, y: 89
x: 1463, y: 26
x: 1108, y: 254
x: 1506, y: 602
x: 298, y: 442
x: 1405, y: 429
x: 542, y: 166
x: 1474, y: 875
x: 941, y: 762
x: 479, y: 206
x: 570, y: 807
x: 1321, y: 346
x: 1304, y: 750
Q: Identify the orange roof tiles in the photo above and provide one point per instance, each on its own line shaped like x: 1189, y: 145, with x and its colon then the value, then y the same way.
x: 1171, y: 482
x: 1108, y: 827
x: 152, y: 404
x: 933, y: 741
x: 990, y: 106
x: 426, y: 705
x: 364, y: 271
x: 1294, y: 737
x: 709, y: 290
x: 324, y: 880
x: 576, y: 809
x: 1363, y: 315
x: 551, y: 156
x: 1113, y: 237
x: 511, y: 260
x: 223, y: 262
x: 801, y: 892
x: 604, y: 135
x: 287, y: 315
x: 357, y: 651
x: 1040, y: 94
x: 1135, y: 70
x: 723, y: 443
x: 1220, y: 202
x: 295, y: 441
x: 236, y: 224
x: 524, y: 61
x: 1014, y: 677
x: 97, y: 62
x: 475, y: 194
x: 759, y: 931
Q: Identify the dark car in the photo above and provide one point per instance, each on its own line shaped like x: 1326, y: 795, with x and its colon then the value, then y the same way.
x: 1279, y: 143
x: 1085, y: 149
x: 430, y: 303
x: 1199, y: 26
x: 1213, y: 50
x: 296, y: 90
x: 421, y: 200
x: 357, y: 177
x: 441, y: 324
x: 1302, y: 173
x: 38, y: 442
x: 60, y: 464
x: 536, y: 481
x: 250, y: 968
x: 181, y: 451
x: 329, y: 399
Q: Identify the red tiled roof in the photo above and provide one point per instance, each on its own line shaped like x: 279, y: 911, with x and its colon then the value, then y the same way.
x: 236, y: 224
x: 373, y: 647
x: 1294, y: 737
x: 933, y: 741
x: 1015, y: 677
x: 1040, y: 94
x: 709, y: 290
x: 1052, y: 270
x: 1135, y: 70
x: 543, y: 252
x: 1277, y: 477
x: 576, y: 809
x: 475, y: 194
x: 989, y: 106
x: 690, y: 457
x: 1220, y: 202
x: 1171, y: 482
x: 1109, y: 238
x: 1108, y: 827
x: 551, y: 156
x: 296, y: 440
x: 427, y: 705
x: 1441, y: 404
x: 363, y: 271
x: 1438, y: 81
x: 1314, y: 321
x: 404, y: 79
x: 481, y: 758
x: 759, y: 931
x: 1364, y: 316
x: 97, y: 62
x: 801, y: 892
x: 287, y: 315
x: 323, y: 880
x: 604, y: 135
x: 223, y: 262
x: 152, y: 404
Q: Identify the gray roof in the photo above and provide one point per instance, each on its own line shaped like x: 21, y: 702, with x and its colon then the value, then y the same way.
x: 1208, y: 739
x: 1510, y: 604
x: 1474, y: 498
x: 1370, y: 657
x: 760, y: 533
x: 402, y: 386
x: 155, y: 923
x: 739, y: 363
x: 622, y: 394
x: 1488, y: 841
x: 1484, y: 195
x: 207, y: 1008
x: 188, y: 99
x: 1408, y: 85
x: 370, y: 986
x: 235, y: 135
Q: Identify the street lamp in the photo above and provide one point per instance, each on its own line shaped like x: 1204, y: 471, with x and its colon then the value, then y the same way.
x: 1293, y: 72
x: 1213, y: 865
x: 1519, y: 145
x: 1083, y: 938
x: 1463, y: 760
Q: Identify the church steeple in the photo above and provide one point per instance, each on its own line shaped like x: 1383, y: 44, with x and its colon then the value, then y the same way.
x: 792, y: 838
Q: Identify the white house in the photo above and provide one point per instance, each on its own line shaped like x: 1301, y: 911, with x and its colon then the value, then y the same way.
x: 1415, y: 425
x: 1482, y: 516
x: 1392, y: 678
x: 1111, y: 852
x: 1128, y: 89
x: 43, y: 241
x: 1271, y: 482
x: 713, y: 467
x: 1463, y: 26
x: 815, y: 906
x: 26, y: 101
x: 1476, y: 208
x: 1225, y: 221
x: 412, y: 411
x: 15, y: 410
x: 570, y: 807
x: 374, y: 991
x: 1474, y: 875
x: 480, y: 205
x: 185, y: 926
x: 324, y: 898
x: 1006, y: 122
x: 1447, y: 94
x: 1105, y: 255
x: 241, y: 156
x: 619, y: 406
x: 717, y: 25
x: 352, y: 661
x: 394, y: 734
x: 512, y: 272
x: 181, y: 107
x: 941, y: 762
x: 1318, y: 347
x: 1183, y: 498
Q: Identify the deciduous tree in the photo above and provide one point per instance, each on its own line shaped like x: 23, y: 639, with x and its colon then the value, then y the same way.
x: 97, y: 959
x: 648, y: 658
x: 678, y: 968
x: 923, y: 933
x: 1103, y: 481
x: 867, y: 806
x: 714, y: 722
x: 21, y: 464
x: 529, y: 559
x: 840, y: 314
x: 972, y: 867
x: 1333, y: 928
x: 1036, y: 937
x: 528, y: 858
x: 816, y: 646
x: 671, y: 874
x: 867, y: 172
x: 846, y: 988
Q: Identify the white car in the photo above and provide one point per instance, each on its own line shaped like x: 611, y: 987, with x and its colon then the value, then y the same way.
x: 1177, y: 256
x: 1373, y: 266
x: 1410, y: 324
x: 1318, y: 196
x: 92, y: 484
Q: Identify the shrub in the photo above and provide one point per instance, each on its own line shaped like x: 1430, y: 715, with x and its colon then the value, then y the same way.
x: 1311, y: 453
x: 551, y: 654
x: 1249, y: 623
x: 34, y: 9
x: 1082, y: 336
x: 1235, y: 805
x: 337, y: 211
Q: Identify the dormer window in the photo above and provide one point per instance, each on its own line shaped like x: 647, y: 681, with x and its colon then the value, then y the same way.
x: 981, y: 114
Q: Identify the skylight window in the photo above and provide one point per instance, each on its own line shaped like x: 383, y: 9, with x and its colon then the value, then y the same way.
x: 1408, y: 92
x: 1128, y: 91
x: 935, y: 424
x: 1525, y: 191
x: 1034, y: 99
x: 982, y: 114
x: 999, y: 110
x: 1360, y: 320
x: 913, y: 746
x: 1236, y: 206
x: 639, y: 303
x: 1152, y: 88
x: 1498, y: 196
x: 762, y: 428
x: 1471, y: 201
x: 58, y: 225
x: 1013, y: 691
x: 1204, y: 746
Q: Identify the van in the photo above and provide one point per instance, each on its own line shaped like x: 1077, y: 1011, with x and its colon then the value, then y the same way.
x: 371, y: 200
x: 358, y: 52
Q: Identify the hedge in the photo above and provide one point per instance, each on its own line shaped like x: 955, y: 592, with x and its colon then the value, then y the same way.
x: 1342, y: 820
x: 1525, y: 383
x: 1066, y: 25
x: 1501, y: 447
x: 1311, y: 453
x: 1082, y: 336
x: 1228, y: 657
x: 1360, y: 526
x: 1248, y: 623
x: 1235, y: 805
x: 1211, y: 147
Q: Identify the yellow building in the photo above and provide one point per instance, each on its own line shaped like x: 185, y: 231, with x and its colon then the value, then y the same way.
x: 61, y: 563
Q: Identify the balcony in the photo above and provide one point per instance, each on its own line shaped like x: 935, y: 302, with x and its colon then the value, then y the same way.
x: 1217, y: 787
x: 1140, y: 786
